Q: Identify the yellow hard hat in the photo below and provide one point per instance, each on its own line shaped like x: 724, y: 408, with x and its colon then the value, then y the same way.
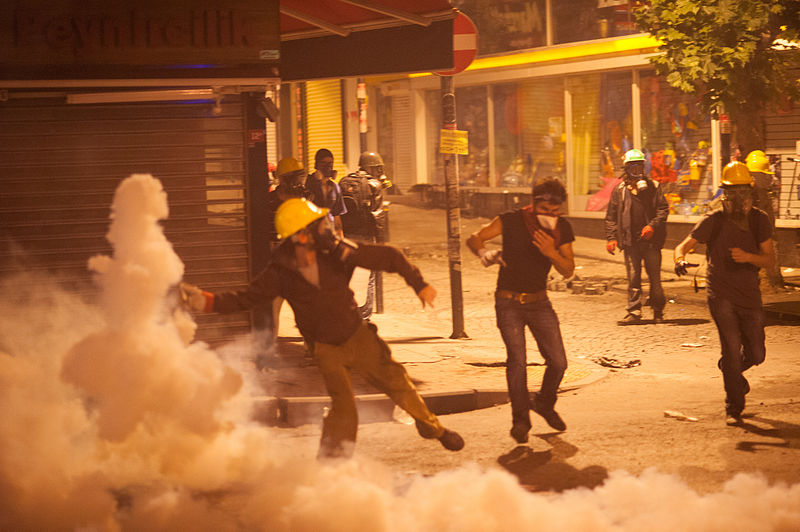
x: 736, y: 173
x: 757, y: 161
x: 287, y: 166
x: 295, y: 214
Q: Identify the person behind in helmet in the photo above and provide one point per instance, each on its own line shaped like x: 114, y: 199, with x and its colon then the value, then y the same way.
x: 766, y: 190
x: 365, y: 218
x: 290, y: 183
x: 311, y: 270
x: 636, y: 223
x: 738, y: 243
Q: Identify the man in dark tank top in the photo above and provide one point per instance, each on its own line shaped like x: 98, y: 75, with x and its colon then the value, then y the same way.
x: 535, y: 238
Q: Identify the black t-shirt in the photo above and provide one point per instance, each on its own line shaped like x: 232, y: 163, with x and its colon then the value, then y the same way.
x: 736, y: 282
x: 526, y: 268
x: 639, y: 215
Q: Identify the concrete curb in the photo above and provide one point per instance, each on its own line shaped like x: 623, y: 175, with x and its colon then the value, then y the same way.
x: 375, y: 408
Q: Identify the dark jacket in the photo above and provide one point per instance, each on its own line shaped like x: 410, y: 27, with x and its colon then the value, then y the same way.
x: 328, y: 314
x: 618, y: 219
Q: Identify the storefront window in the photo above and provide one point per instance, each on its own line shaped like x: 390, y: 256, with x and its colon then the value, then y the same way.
x: 602, y: 124
x: 471, y: 116
x: 529, y: 134
x: 506, y: 25
x: 583, y: 20
x: 676, y: 139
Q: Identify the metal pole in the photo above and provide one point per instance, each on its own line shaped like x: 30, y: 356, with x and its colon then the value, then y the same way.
x: 453, y: 211
x: 361, y: 98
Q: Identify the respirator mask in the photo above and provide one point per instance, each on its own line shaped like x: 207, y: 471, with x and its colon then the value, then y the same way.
x: 737, y: 201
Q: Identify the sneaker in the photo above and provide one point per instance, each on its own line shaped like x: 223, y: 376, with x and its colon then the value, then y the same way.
x: 630, y: 318
x: 733, y: 419
x: 520, y: 433
x: 551, y: 416
x: 451, y: 440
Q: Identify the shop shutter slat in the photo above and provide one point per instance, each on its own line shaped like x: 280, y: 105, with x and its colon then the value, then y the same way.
x: 403, y: 122
x: 324, y: 122
x: 60, y: 165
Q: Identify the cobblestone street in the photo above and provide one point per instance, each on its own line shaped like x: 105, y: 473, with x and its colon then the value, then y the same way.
x: 616, y: 415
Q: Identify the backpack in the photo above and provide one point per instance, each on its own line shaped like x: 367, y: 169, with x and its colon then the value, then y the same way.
x: 360, y: 197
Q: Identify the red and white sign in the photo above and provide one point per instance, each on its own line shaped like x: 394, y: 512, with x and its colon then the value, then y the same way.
x: 465, y: 44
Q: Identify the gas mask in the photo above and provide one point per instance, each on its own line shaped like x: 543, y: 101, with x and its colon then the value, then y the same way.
x: 634, y: 172
x: 293, y: 185
x: 326, y: 241
x: 325, y: 168
x: 737, y: 200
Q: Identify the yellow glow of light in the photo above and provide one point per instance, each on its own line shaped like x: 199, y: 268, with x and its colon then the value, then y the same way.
x: 561, y: 53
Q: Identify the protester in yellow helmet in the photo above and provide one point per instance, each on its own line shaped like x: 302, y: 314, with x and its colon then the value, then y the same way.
x: 738, y: 243
x: 311, y: 269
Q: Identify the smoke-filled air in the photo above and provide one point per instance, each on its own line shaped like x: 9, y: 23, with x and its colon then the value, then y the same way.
x: 111, y: 418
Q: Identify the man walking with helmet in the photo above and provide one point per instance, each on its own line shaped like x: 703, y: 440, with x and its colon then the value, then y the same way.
x: 738, y: 243
x: 636, y: 223
x: 311, y: 269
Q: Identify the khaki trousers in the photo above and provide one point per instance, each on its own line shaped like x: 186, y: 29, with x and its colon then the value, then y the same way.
x: 368, y: 354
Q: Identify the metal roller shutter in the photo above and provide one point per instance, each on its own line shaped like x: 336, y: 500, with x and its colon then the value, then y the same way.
x: 403, y: 125
x: 60, y: 165
x: 324, y: 121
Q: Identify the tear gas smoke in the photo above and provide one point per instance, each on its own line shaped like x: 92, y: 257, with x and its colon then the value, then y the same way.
x: 111, y: 420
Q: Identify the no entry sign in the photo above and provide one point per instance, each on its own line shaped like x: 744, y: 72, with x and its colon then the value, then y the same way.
x: 465, y: 44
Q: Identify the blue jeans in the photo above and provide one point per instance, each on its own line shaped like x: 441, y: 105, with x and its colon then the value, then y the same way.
x: 541, y: 319
x: 741, y: 335
x: 651, y: 256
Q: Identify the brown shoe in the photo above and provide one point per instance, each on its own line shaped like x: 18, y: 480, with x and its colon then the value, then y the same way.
x: 451, y: 440
x: 520, y: 433
x: 549, y: 415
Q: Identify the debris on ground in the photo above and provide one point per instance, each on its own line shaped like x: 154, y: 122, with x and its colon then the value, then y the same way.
x: 691, y: 344
x: 678, y: 415
x: 611, y: 362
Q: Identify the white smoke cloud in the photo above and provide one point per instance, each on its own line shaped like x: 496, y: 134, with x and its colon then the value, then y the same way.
x: 110, y: 421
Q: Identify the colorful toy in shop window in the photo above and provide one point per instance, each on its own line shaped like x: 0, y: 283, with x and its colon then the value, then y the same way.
x: 698, y: 164
x: 681, y: 125
x: 673, y: 199
x: 607, y: 162
x: 663, y: 165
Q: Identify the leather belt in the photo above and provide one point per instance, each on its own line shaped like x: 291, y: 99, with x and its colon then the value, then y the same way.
x: 522, y: 297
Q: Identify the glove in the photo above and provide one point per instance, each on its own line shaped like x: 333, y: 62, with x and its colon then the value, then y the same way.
x: 681, y: 265
x: 488, y: 258
x: 195, y: 299
x: 647, y: 233
x: 611, y: 245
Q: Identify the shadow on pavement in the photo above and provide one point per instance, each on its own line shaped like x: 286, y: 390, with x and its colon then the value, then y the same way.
x: 548, y: 470
x: 667, y: 321
x: 788, y: 433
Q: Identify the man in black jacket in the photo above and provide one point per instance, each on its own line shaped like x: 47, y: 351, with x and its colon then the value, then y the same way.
x: 311, y: 270
x: 636, y: 223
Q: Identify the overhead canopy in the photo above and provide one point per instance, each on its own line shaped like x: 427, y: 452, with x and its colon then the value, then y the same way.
x: 338, y: 38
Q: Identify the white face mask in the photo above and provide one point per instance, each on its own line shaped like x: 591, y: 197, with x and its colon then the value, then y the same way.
x: 547, y: 221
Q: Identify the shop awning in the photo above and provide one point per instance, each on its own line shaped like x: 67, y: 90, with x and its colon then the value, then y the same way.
x: 145, y: 42
x: 338, y: 38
